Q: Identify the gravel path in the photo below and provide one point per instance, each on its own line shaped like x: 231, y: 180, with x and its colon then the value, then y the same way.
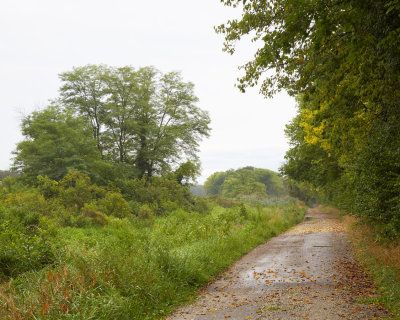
x: 308, y: 272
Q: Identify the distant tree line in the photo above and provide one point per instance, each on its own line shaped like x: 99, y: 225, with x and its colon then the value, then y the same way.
x: 248, y: 181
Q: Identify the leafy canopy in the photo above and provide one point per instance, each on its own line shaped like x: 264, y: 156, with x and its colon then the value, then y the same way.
x: 341, y: 59
x: 55, y: 142
x: 116, y: 122
x: 245, y: 181
x: 141, y: 117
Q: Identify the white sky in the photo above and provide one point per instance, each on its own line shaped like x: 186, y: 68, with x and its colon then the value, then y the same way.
x: 41, y: 38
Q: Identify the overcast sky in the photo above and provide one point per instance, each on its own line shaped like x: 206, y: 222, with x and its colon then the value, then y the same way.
x: 41, y: 38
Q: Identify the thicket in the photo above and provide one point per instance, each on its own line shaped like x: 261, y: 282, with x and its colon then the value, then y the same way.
x: 31, y: 215
x: 341, y: 59
x: 75, y: 250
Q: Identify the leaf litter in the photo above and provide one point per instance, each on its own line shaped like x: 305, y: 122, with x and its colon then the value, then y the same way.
x: 308, y: 272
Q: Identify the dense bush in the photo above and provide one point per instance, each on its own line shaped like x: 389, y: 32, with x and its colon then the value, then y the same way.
x: 101, y: 253
x: 75, y: 201
x: 135, y: 270
x: 27, y: 234
x: 162, y: 195
x: 114, y: 204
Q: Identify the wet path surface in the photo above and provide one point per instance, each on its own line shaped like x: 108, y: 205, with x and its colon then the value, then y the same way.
x: 306, y: 273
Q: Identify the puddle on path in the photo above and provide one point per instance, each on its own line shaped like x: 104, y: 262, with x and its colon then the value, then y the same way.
x: 306, y: 273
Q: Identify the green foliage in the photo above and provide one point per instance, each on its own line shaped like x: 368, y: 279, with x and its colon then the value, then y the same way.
x: 27, y: 234
x: 245, y: 181
x: 12, y: 184
x: 243, y: 211
x: 56, y: 141
x: 75, y: 190
x: 145, y: 212
x: 139, y: 117
x: 202, y: 204
x: 22, y: 249
x: 186, y: 172
x: 242, y: 185
x: 93, y: 215
x: 304, y: 41
x: 363, y: 179
x: 214, y: 183
x: 135, y: 270
x: 115, y: 123
x: 303, y: 191
x: 342, y: 61
x: 47, y: 187
x: 114, y: 204
x: 72, y: 201
x: 76, y: 201
x: 163, y: 195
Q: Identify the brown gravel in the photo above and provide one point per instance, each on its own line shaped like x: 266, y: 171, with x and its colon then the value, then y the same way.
x: 308, y: 272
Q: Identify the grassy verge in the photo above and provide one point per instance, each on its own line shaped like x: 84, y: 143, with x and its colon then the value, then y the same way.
x: 140, y: 269
x: 382, y: 262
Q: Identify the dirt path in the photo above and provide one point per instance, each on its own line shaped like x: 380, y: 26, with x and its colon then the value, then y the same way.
x: 306, y: 273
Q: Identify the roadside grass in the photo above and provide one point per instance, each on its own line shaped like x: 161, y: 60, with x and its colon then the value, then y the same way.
x: 382, y: 262
x: 140, y: 269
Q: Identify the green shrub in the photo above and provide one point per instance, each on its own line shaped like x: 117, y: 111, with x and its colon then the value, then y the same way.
x: 114, y: 204
x: 133, y: 255
x: 135, y: 206
x: 26, y: 202
x: 76, y: 190
x: 202, y: 205
x: 26, y: 243
x: 13, y: 184
x: 167, y: 206
x: 47, y: 187
x: 243, y: 211
x: 163, y: 195
x: 145, y: 212
x: 96, y: 217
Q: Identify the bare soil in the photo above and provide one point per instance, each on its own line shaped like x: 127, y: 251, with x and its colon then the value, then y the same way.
x: 309, y: 272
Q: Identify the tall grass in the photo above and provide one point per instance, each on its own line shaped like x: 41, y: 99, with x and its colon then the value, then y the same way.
x: 140, y: 269
x: 382, y: 260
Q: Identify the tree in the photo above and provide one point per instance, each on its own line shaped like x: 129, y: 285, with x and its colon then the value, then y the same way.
x: 174, y: 126
x: 242, y: 185
x: 342, y: 61
x: 272, y: 181
x: 84, y: 89
x: 214, y: 183
x: 146, y: 119
x: 55, y: 142
x: 186, y: 173
x: 245, y: 181
x: 304, y: 41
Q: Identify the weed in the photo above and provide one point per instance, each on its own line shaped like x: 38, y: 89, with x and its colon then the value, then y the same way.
x: 130, y: 269
x: 382, y: 262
